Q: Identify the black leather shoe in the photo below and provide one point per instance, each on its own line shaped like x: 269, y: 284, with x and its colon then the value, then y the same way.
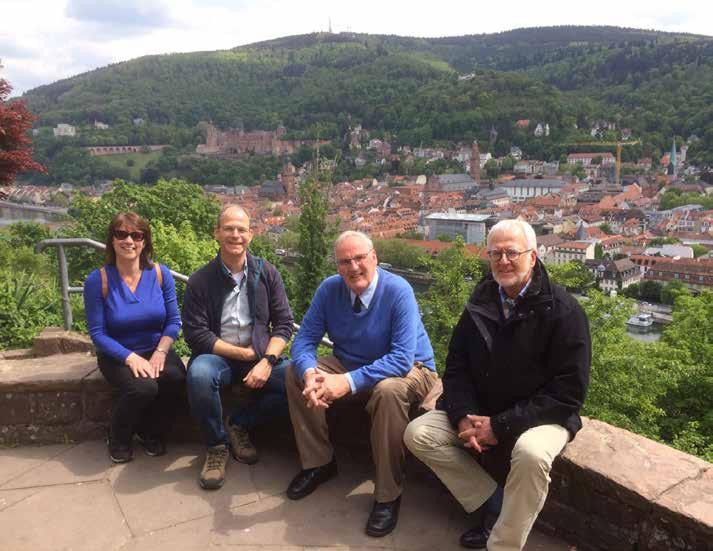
x: 307, y: 480
x: 383, y: 518
x: 477, y: 538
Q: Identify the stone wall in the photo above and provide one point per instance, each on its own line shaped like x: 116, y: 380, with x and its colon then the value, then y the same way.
x: 611, y: 489
x: 615, y: 490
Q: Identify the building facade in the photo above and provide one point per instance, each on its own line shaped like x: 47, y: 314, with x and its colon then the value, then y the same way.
x: 471, y: 227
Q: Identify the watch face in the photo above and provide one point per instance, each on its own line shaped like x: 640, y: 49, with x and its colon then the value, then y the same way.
x: 271, y: 359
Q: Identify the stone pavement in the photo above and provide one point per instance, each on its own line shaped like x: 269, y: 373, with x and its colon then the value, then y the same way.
x: 71, y: 497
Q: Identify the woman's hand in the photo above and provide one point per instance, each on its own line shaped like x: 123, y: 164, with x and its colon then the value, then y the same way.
x: 139, y: 367
x: 157, y: 361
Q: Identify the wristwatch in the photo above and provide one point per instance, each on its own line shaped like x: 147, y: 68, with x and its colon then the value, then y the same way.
x: 271, y: 359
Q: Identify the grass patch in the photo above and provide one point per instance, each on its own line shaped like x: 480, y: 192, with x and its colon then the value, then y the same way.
x: 140, y: 161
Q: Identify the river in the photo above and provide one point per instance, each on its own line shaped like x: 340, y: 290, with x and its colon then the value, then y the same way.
x: 12, y: 215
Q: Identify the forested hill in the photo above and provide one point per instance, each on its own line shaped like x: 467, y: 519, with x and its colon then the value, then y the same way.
x: 658, y: 84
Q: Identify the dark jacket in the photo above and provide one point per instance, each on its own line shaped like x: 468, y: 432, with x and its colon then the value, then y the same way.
x: 206, y: 292
x: 529, y: 370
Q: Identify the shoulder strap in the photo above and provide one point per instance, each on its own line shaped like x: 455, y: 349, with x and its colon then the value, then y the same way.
x: 105, y: 282
x: 258, y: 270
x: 159, y: 274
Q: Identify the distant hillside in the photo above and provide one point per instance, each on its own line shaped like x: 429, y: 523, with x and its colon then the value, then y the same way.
x: 658, y: 84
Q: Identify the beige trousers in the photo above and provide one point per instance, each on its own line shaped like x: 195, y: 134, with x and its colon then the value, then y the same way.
x: 388, y: 405
x: 434, y: 441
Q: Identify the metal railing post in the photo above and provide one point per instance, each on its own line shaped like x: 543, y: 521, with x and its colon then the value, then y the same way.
x: 64, y: 283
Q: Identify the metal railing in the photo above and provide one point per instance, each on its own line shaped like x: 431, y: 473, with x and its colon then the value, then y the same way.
x: 66, y: 289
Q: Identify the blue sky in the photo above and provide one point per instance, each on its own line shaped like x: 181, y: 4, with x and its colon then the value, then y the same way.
x: 42, y: 41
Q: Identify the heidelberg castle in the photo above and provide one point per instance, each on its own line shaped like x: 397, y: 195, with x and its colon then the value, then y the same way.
x: 235, y: 143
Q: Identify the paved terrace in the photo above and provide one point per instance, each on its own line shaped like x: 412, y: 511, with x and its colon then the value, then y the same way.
x: 62, y: 497
x: 611, y: 490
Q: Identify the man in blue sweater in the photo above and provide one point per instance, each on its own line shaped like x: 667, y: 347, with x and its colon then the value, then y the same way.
x: 382, y: 354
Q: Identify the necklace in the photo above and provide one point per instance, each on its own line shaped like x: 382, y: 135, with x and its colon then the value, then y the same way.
x: 132, y: 281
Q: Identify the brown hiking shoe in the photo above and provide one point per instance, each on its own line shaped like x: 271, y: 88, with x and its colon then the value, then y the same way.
x: 241, y: 446
x: 213, y: 473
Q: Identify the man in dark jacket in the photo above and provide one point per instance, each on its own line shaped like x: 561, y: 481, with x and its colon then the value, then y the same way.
x: 516, y: 376
x: 237, y: 321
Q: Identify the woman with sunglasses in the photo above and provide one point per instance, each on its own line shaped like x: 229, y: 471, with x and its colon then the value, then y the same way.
x: 133, y: 319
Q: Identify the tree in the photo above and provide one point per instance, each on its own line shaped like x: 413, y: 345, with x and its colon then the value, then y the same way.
x: 508, y: 164
x: 628, y: 378
x: 672, y: 290
x: 699, y: 250
x: 15, y: 144
x: 400, y: 254
x: 689, y: 423
x: 169, y: 201
x: 573, y: 275
x: 492, y: 169
x: 312, y: 266
x: 453, y: 276
x: 598, y: 251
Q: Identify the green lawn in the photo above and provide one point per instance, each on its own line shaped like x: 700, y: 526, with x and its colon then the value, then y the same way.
x: 140, y: 161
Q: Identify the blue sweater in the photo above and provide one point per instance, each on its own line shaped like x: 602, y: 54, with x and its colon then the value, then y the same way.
x: 127, y: 322
x: 379, y: 342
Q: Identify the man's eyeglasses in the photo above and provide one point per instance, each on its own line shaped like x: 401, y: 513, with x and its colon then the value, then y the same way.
x: 233, y: 229
x: 123, y: 234
x: 357, y: 258
x: 511, y: 254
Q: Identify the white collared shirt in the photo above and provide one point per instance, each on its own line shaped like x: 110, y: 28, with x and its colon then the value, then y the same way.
x: 368, y: 293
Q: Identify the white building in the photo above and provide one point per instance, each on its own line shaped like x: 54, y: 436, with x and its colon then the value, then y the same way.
x: 574, y: 250
x: 471, y: 227
x: 521, y: 189
x: 64, y: 130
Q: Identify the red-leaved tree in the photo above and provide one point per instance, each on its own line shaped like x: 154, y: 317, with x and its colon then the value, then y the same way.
x: 15, y: 144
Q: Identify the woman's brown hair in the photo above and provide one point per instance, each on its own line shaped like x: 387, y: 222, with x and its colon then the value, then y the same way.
x: 134, y: 220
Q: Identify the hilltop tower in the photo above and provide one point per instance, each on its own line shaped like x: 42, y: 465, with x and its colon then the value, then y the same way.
x: 211, y: 138
x: 475, y: 162
x: 673, y: 158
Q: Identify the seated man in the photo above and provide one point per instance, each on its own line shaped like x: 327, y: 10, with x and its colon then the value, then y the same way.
x: 516, y: 375
x: 382, y: 355
x: 237, y: 321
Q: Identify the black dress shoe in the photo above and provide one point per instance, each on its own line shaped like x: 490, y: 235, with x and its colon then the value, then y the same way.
x: 307, y: 480
x: 477, y: 538
x: 383, y: 518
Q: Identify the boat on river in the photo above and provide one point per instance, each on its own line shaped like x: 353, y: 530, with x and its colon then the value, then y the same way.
x: 643, y: 319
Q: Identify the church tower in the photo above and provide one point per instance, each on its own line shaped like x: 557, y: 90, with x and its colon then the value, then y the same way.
x: 288, y: 179
x: 475, y: 162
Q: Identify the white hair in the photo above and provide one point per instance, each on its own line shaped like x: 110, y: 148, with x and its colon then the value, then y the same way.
x: 351, y: 233
x: 508, y: 226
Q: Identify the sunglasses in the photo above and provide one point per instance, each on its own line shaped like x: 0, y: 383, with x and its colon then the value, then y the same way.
x: 123, y: 234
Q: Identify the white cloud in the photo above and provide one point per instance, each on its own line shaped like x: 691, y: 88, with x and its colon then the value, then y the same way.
x: 120, y: 13
x: 74, y: 36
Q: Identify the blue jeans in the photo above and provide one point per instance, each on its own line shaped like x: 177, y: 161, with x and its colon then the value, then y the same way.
x: 208, y: 373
